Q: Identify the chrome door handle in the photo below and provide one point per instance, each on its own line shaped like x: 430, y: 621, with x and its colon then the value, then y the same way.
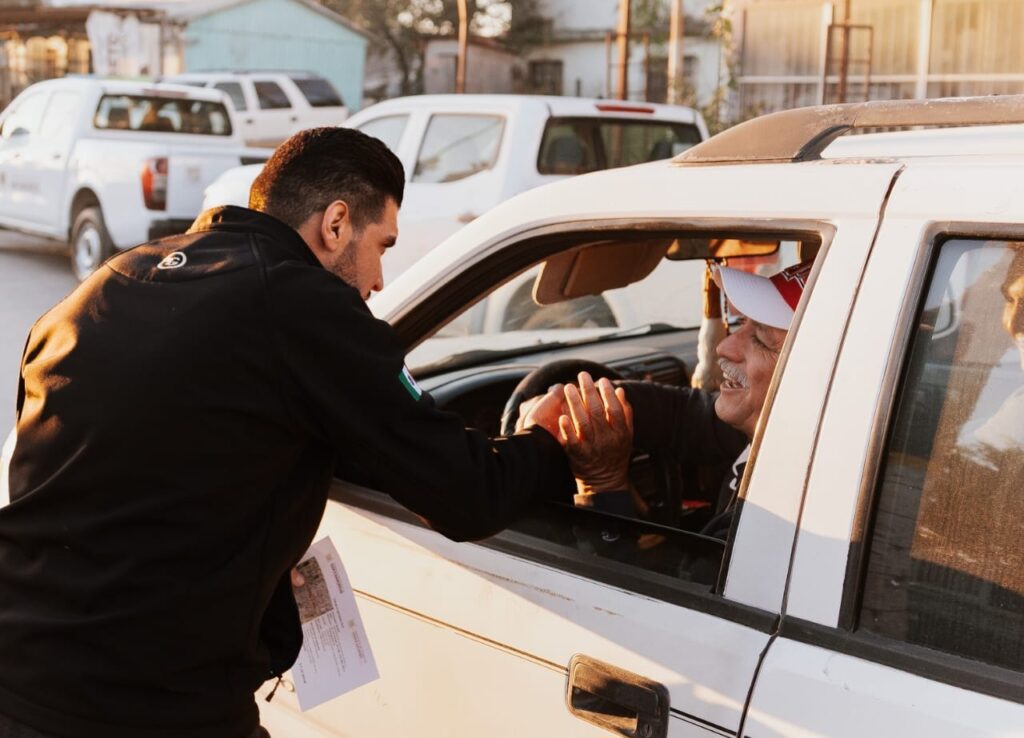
x: 617, y: 700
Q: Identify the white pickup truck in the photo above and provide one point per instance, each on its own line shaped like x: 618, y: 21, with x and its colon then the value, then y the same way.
x: 107, y: 164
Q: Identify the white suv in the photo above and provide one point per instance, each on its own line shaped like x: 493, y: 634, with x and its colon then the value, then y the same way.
x: 270, y: 106
x: 873, y: 582
x: 464, y: 154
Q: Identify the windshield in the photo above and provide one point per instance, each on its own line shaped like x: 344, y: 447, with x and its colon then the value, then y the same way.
x: 163, y: 115
x: 580, y: 145
x: 509, y: 321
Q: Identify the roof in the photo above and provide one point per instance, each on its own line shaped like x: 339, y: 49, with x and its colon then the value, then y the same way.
x: 556, y: 105
x: 188, y: 10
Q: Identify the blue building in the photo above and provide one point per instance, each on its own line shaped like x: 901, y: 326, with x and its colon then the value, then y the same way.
x: 275, y: 34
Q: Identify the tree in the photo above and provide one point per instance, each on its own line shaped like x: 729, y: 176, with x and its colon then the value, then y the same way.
x: 403, y: 25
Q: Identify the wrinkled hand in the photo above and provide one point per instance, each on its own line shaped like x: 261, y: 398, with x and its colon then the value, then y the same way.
x: 597, y: 435
x: 543, y: 410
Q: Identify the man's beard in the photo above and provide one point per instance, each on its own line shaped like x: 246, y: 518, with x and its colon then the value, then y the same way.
x: 732, y: 375
x: 344, y: 263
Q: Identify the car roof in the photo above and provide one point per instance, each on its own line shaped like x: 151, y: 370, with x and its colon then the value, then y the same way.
x: 550, y: 105
x: 134, y: 87
x: 1007, y: 140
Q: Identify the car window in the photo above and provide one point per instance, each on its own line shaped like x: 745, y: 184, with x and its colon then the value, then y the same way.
x: 27, y: 117
x: 58, y: 121
x: 162, y: 115
x: 319, y: 93
x: 946, y: 564
x: 579, y: 145
x: 648, y: 330
x: 458, y: 146
x: 388, y: 129
x: 234, y: 91
x: 270, y: 95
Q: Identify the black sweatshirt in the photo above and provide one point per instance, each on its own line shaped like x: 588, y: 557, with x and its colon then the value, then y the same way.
x: 179, y: 419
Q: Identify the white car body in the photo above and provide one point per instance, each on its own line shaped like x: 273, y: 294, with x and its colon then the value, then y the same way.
x: 270, y: 106
x: 47, y: 176
x: 433, y: 210
x: 477, y: 639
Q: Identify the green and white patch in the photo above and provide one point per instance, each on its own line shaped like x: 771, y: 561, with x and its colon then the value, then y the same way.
x: 409, y: 383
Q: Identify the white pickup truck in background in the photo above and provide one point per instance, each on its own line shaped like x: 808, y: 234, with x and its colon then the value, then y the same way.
x: 107, y: 164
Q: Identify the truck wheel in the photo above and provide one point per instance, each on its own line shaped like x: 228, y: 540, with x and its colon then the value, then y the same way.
x: 90, y: 242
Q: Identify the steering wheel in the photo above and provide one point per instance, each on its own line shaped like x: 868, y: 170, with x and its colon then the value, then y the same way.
x: 666, y: 506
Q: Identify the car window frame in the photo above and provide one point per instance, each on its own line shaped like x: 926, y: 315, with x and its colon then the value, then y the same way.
x: 277, y: 83
x: 470, y: 114
x: 502, y: 260
x: 845, y: 637
x: 401, y: 139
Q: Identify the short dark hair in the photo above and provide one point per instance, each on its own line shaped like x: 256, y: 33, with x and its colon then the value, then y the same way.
x: 317, y: 166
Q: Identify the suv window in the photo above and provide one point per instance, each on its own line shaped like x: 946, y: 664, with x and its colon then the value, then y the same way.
x: 319, y: 93
x: 27, y: 116
x: 458, y: 146
x: 234, y: 91
x: 270, y: 95
x: 388, y: 129
x: 946, y: 564
x: 579, y: 145
x: 163, y: 115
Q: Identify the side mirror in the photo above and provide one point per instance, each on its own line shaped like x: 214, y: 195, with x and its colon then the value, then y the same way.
x: 19, y: 131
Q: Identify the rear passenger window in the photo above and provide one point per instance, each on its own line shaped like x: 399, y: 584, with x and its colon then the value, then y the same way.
x: 270, y: 95
x: 946, y: 561
x: 388, y: 129
x: 234, y: 91
x: 319, y: 93
x: 457, y: 146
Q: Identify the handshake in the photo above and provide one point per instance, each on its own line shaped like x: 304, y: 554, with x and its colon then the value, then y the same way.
x: 594, y: 424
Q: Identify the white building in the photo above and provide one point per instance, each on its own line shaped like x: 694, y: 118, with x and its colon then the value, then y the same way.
x: 579, y: 55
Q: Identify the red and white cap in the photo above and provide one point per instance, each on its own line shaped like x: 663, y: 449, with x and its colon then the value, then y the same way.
x: 768, y: 300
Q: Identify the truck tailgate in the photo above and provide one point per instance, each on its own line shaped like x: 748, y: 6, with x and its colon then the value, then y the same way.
x: 191, y: 169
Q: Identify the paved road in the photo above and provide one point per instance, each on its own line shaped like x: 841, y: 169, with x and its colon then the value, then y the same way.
x: 34, y: 275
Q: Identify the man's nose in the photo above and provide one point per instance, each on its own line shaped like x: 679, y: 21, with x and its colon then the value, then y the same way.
x: 726, y: 348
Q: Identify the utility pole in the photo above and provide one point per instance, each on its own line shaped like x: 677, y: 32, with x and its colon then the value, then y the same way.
x: 460, y: 66
x: 623, y: 85
x: 675, y: 53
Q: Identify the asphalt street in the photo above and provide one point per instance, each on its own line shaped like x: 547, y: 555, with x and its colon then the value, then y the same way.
x: 34, y: 275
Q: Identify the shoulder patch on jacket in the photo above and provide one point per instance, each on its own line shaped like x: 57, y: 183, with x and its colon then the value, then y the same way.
x: 405, y: 378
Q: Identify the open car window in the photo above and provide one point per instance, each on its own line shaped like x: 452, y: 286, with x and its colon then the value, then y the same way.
x: 635, y: 304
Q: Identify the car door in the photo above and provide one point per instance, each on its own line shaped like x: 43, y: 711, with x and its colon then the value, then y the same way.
x: 276, y: 118
x: 52, y: 156
x: 20, y: 181
x: 905, y: 613
x: 527, y: 633
x: 457, y: 174
x: 244, y: 118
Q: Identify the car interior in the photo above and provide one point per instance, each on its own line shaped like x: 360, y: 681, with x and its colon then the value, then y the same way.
x: 625, y: 304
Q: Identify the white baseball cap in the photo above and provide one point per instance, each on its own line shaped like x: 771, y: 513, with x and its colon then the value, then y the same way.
x: 768, y: 300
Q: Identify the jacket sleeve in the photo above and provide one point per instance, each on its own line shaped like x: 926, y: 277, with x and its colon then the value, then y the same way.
x: 681, y: 423
x: 348, y: 386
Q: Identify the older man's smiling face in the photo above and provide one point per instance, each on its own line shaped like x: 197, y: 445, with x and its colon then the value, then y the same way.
x: 748, y: 357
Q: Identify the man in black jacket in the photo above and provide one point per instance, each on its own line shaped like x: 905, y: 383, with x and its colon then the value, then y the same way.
x: 179, y: 417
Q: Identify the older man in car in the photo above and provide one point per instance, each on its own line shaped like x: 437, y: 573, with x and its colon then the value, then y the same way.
x: 598, y: 423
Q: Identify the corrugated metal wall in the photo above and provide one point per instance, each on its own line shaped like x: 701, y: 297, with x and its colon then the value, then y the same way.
x: 279, y: 34
x: 974, y: 47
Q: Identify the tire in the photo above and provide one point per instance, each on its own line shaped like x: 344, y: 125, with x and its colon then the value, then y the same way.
x: 90, y: 242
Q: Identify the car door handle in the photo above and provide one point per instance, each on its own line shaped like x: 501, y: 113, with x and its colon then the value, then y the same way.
x: 467, y: 217
x: 617, y: 700
x: 294, y: 119
x: 249, y: 121
x: 57, y: 157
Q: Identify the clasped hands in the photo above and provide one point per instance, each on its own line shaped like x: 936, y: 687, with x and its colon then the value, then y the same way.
x: 594, y: 424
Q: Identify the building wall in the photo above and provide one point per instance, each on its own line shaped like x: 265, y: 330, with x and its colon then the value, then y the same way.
x: 488, y: 69
x: 279, y: 34
x: 918, y: 48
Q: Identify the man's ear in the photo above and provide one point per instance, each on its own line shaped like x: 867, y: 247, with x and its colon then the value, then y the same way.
x: 336, y: 226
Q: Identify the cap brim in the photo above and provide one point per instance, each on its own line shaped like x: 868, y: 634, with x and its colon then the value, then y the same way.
x: 756, y: 297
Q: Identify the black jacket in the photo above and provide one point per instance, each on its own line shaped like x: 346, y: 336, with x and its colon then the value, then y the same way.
x: 177, y: 432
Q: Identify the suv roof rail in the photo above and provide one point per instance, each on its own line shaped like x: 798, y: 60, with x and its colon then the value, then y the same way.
x: 228, y: 70
x: 803, y: 134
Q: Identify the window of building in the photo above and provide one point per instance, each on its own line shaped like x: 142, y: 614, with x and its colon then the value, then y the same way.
x: 458, y: 146
x: 270, y: 95
x: 546, y: 77
x: 946, y: 564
